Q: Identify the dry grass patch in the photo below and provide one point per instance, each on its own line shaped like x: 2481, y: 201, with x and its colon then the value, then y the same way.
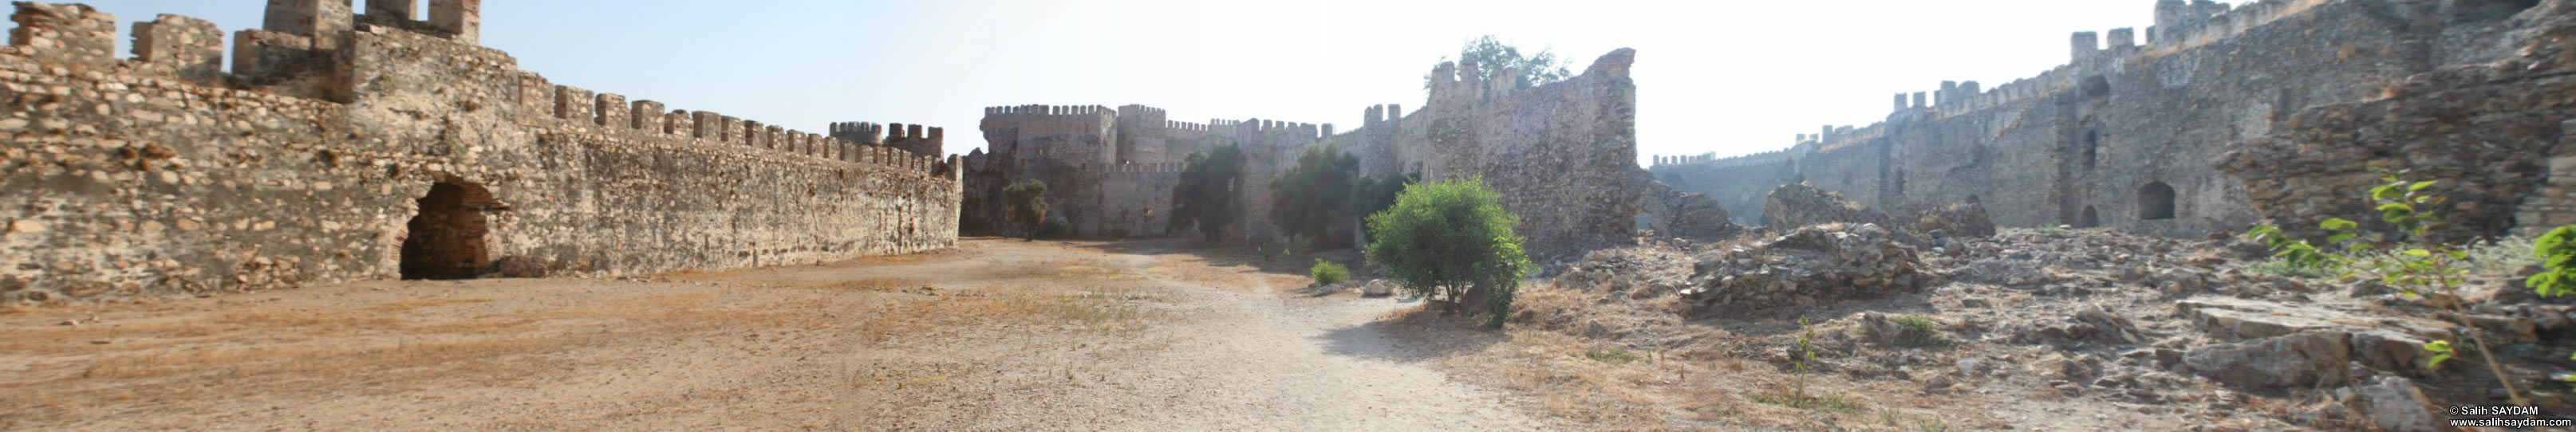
x: 311, y: 362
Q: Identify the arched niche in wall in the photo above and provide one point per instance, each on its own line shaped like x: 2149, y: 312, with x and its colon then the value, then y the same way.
x: 2155, y: 201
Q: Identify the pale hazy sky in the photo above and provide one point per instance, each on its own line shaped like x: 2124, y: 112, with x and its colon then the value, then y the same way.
x: 1729, y: 77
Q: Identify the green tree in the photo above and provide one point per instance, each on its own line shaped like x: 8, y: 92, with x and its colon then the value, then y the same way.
x: 1451, y: 240
x: 1492, y: 56
x: 1208, y: 196
x: 1311, y: 197
x: 1027, y: 206
x: 1371, y: 195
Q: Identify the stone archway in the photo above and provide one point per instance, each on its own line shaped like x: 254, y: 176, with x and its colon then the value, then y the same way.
x: 2155, y: 201
x: 2089, y: 219
x: 451, y: 237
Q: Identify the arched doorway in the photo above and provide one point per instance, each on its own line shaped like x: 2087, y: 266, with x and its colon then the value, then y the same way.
x: 2155, y: 201
x: 2089, y: 218
x: 450, y: 237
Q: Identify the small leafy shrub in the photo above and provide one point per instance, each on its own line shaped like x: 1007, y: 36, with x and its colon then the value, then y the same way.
x: 1328, y: 273
x: 2504, y: 255
x: 1918, y: 331
x: 2055, y: 231
x: 1447, y: 239
x: 2557, y: 252
x: 1053, y: 228
x: 1797, y: 396
x: 2420, y: 268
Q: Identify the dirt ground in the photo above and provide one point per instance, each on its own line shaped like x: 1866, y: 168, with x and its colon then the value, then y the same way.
x: 994, y: 335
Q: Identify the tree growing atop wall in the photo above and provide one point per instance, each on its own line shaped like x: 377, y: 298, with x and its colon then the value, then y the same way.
x: 1027, y: 206
x: 1492, y: 56
x: 1453, y: 241
x: 1311, y: 197
x: 1209, y: 190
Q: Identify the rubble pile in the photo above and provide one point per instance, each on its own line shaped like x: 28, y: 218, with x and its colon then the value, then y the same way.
x: 2156, y: 324
x: 1807, y: 267
x: 1799, y: 204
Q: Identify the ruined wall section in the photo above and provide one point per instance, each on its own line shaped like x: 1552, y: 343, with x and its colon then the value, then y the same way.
x: 132, y: 178
x: 2493, y: 135
x: 1581, y: 132
x: 2125, y: 135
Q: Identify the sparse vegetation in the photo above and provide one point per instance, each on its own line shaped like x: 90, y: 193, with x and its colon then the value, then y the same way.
x: 1328, y: 273
x: 2423, y: 268
x: 1027, y: 206
x: 2055, y: 231
x: 1053, y: 228
x: 2284, y: 267
x: 1918, y: 331
x: 1832, y: 404
x: 1492, y: 57
x: 1207, y: 195
x: 1450, y: 240
x: 1613, y: 356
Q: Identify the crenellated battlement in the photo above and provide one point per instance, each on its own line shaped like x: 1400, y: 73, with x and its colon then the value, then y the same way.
x: 1049, y: 110
x: 338, y: 124
x: 1710, y: 159
x: 2179, y: 25
x: 581, y: 109
x: 1145, y: 169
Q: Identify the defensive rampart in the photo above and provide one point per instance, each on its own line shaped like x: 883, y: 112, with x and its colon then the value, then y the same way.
x: 346, y: 147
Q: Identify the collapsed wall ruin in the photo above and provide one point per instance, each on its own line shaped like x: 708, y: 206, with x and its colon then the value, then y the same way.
x: 1110, y: 172
x: 2132, y: 136
x: 345, y: 146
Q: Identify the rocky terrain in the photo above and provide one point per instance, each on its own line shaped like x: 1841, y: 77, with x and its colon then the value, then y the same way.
x: 2183, y: 333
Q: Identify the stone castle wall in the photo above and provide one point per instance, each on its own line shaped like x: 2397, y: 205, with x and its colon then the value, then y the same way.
x: 2492, y: 133
x: 2126, y: 135
x: 1110, y: 172
x: 337, y: 151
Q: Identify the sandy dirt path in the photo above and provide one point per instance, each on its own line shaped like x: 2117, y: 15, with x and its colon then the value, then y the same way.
x: 995, y: 335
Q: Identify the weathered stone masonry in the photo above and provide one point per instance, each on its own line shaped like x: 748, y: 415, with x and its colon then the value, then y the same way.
x: 1561, y: 156
x: 2132, y: 135
x: 335, y: 136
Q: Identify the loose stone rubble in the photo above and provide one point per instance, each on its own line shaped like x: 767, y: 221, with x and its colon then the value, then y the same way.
x: 2149, y: 323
